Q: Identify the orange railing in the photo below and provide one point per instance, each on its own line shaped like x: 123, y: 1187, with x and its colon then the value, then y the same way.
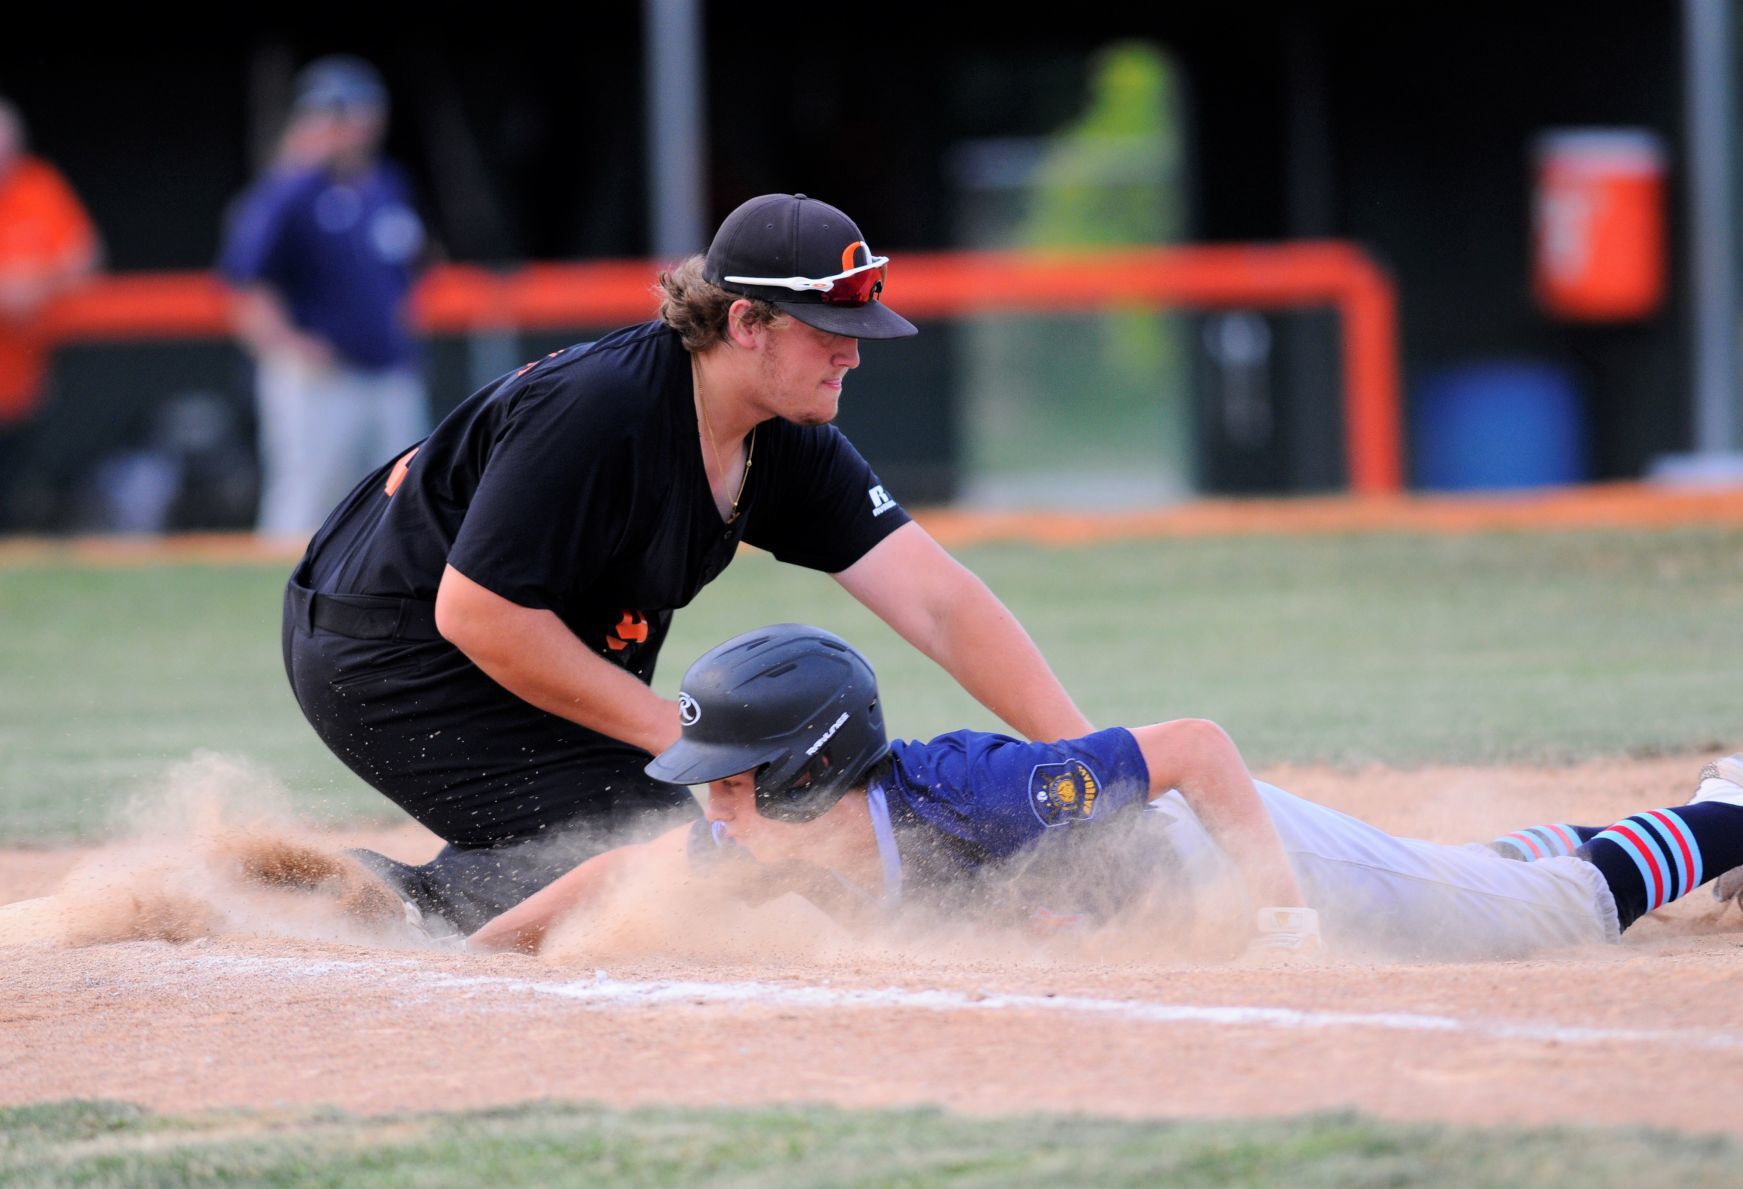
x: 461, y: 299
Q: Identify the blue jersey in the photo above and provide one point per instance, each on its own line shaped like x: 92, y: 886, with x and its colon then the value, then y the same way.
x: 340, y: 251
x: 947, y: 809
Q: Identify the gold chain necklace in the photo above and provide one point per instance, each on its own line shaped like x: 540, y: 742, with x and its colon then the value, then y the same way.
x: 714, y: 443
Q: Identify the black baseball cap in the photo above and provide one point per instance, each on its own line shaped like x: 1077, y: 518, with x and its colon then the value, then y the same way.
x: 788, y: 236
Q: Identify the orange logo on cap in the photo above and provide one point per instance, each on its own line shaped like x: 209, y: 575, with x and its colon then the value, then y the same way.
x: 847, y: 254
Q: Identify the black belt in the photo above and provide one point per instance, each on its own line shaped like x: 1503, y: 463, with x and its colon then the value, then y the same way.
x: 363, y: 617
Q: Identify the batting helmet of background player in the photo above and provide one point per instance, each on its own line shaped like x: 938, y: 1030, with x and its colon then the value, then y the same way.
x: 795, y: 704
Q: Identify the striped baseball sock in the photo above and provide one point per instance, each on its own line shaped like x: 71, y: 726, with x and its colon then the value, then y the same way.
x: 1652, y: 858
x: 1543, y: 842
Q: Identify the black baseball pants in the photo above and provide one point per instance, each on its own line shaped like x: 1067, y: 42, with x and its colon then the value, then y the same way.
x: 519, y: 795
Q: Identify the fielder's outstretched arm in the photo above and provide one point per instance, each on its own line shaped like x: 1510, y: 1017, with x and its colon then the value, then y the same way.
x: 1197, y: 757
x: 937, y: 604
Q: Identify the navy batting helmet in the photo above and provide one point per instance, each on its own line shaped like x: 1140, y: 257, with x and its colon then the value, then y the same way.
x: 795, y: 704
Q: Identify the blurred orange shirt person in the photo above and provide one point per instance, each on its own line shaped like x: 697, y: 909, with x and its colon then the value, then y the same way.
x: 47, y: 244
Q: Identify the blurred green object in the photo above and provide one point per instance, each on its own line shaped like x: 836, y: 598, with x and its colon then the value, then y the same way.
x: 1111, y: 178
x: 1394, y: 649
x: 1092, y: 409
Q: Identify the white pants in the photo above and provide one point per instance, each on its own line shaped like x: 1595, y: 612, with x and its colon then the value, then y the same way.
x: 1402, y: 897
x: 322, y: 430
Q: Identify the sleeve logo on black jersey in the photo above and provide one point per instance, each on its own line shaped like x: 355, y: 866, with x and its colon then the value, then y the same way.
x: 1063, y: 793
x: 881, y: 500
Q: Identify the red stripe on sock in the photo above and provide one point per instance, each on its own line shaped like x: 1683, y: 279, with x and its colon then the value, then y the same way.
x: 1651, y: 862
x: 1530, y: 844
x: 1678, y: 831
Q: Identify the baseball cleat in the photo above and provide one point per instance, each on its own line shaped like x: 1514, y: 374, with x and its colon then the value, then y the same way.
x: 403, y: 880
x: 433, y: 929
x: 1722, y: 780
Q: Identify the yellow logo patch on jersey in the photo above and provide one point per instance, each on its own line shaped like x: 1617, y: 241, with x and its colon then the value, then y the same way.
x: 1063, y: 793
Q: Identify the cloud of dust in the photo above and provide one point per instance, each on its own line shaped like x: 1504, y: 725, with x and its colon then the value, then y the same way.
x: 692, y: 924
x: 642, y: 917
x: 1123, y: 894
x: 215, y: 850
x: 212, y: 851
x: 1046, y: 909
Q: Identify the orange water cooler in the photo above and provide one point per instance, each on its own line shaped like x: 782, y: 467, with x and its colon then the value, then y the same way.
x: 1599, y: 224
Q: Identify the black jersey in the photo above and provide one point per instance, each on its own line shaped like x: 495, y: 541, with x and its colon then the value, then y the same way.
x: 576, y: 485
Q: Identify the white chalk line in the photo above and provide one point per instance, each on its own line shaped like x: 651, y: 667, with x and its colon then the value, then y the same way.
x: 605, y: 993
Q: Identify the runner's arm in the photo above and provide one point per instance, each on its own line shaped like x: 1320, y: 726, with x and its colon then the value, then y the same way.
x: 1198, y: 758
x: 524, y: 926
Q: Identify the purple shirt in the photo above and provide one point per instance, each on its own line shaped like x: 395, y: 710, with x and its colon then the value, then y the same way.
x: 341, y: 252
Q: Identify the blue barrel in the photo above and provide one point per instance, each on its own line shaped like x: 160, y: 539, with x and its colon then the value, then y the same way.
x: 1496, y: 425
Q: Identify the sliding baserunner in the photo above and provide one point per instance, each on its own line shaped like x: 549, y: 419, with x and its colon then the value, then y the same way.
x: 807, y: 794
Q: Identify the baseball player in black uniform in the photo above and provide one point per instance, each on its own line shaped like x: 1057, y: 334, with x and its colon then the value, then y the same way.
x: 474, y: 629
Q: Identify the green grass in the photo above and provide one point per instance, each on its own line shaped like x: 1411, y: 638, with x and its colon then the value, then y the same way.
x: 100, y: 1143
x: 1393, y: 648
x: 1400, y: 649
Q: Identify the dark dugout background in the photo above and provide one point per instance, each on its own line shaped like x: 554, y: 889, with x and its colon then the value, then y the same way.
x: 1407, y: 130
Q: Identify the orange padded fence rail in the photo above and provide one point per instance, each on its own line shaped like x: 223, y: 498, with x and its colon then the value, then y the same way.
x: 459, y: 299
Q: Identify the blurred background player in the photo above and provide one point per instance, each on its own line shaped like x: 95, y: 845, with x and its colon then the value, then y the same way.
x: 47, y: 246
x: 787, y: 731
x: 323, y: 251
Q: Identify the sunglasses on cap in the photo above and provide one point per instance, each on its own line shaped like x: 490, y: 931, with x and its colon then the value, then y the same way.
x: 854, y: 287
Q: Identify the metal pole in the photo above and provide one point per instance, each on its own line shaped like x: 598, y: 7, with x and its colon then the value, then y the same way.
x: 1708, y: 82
x: 270, y: 69
x: 672, y: 32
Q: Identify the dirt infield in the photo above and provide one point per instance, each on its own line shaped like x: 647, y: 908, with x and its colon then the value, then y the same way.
x: 773, y: 1006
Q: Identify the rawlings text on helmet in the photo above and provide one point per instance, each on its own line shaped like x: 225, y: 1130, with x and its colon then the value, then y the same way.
x: 826, y: 736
